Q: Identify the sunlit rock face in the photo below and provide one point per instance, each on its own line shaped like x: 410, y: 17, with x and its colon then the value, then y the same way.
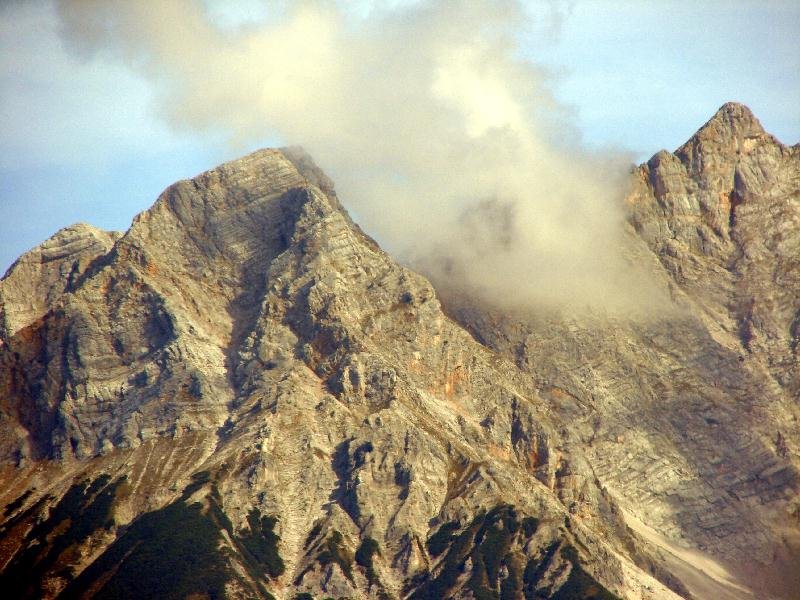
x: 690, y: 418
x: 243, y: 396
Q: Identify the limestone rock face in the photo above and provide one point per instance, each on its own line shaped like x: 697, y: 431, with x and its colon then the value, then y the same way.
x: 690, y: 418
x: 243, y: 396
x: 39, y: 278
x: 723, y: 216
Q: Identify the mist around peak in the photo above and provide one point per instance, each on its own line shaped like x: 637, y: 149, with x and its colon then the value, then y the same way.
x: 445, y: 144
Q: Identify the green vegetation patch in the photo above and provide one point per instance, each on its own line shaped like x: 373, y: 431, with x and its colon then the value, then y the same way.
x: 511, y: 586
x: 261, y: 542
x: 312, y: 535
x: 440, y: 540
x: 491, y: 543
x: 54, y: 541
x: 529, y: 526
x: 199, y: 479
x: 535, y: 569
x: 453, y: 563
x: 492, y: 549
x: 364, y: 558
x: 334, y: 552
x: 180, y: 551
x: 580, y: 585
x: 494, y: 539
x: 168, y: 553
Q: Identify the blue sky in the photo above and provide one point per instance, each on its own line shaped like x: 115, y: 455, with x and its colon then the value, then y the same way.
x: 83, y: 138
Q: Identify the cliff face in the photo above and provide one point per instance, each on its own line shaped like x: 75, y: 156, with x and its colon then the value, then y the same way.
x: 690, y: 419
x: 243, y: 396
x: 722, y: 215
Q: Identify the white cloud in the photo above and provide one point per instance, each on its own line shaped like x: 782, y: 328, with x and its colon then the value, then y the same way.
x: 423, y: 114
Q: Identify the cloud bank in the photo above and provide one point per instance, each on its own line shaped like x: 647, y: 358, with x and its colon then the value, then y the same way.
x: 447, y: 146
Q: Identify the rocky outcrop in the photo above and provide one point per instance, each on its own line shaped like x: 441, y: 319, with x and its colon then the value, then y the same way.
x: 245, y: 373
x: 690, y: 417
x: 722, y: 215
x: 37, y: 280
x: 243, y: 396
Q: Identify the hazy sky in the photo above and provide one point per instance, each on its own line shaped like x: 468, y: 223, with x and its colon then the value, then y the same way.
x: 85, y: 137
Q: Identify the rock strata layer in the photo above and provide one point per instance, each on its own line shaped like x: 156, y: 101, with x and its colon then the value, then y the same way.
x: 243, y: 396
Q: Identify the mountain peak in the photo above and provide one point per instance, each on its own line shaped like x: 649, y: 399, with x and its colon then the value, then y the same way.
x: 246, y: 385
x: 734, y: 110
x: 732, y: 121
x: 733, y: 131
x: 737, y: 118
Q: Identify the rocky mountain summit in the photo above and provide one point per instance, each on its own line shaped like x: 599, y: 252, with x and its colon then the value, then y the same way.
x: 243, y: 396
x: 690, y: 420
